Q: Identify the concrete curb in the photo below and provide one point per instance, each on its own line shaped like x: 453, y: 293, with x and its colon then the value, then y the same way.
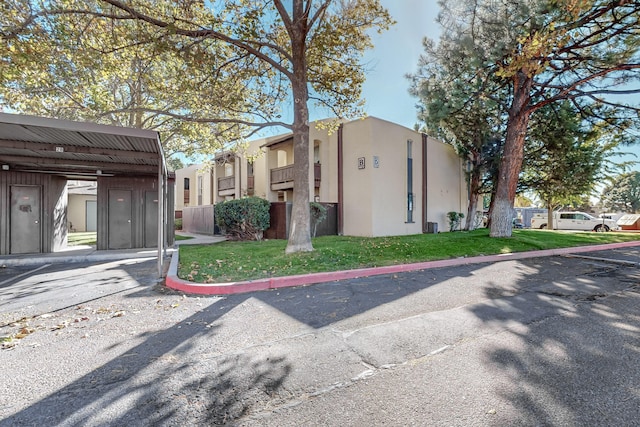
x: 174, y: 282
x: 40, y: 260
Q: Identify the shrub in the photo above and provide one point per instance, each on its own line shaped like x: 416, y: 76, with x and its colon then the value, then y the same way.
x: 318, y: 214
x: 243, y: 219
x: 177, y: 224
x: 454, y: 220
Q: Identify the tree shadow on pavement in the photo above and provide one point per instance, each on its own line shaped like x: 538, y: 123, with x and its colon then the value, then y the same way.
x: 160, y: 382
x: 184, y: 375
x: 572, y: 348
x: 178, y: 374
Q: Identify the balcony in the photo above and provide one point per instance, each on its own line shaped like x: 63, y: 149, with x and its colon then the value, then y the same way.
x: 227, y: 185
x: 250, y: 185
x: 282, y: 177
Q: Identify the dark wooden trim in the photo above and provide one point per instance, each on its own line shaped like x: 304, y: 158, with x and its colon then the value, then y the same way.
x: 425, y: 139
x: 340, y: 182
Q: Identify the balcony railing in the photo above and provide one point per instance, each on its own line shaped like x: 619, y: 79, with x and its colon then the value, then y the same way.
x: 226, y: 183
x: 284, y: 175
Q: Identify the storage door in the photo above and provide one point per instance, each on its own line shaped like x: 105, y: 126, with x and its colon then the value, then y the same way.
x: 25, y: 220
x: 119, y: 219
x: 150, y: 219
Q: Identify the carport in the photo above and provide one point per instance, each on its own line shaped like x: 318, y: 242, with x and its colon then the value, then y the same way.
x: 37, y: 157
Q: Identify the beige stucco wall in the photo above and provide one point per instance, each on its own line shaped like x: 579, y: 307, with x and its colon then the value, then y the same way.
x: 200, y: 177
x: 328, y: 156
x: 445, y: 183
x: 358, y: 185
x: 204, y: 179
x: 76, y: 211
x: 181, y: 174
x: 390, y: 179
x: 260, y: 169
x: 282, y: 155
x: 374, y: 198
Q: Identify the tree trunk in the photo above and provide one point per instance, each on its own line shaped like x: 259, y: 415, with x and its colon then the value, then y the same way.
x: 474, y: 184
x: 511, y: 161
x: 550, y: 225
x: 300, y: 226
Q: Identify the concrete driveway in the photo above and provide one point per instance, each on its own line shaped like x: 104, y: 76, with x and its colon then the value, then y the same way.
x: 540, y: 341
x: 27, y: 291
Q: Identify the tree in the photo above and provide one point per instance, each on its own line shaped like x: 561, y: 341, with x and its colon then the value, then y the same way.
x: 174, y: 163
x: 84, y: 68
x: 623, y: 193
x: 564, y: 158
x: 541, y: 52
x: 471, y: 125
x: 309, y: 50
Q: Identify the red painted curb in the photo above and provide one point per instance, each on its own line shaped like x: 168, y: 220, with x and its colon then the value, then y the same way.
x: 174, y: 282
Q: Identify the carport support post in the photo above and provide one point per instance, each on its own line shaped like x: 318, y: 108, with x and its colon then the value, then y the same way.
x: 161, y: 215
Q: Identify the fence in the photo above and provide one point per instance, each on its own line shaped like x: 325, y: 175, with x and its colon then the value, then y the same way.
x: 280, y: 213
x: 201, y: 220
x: 198, y: 219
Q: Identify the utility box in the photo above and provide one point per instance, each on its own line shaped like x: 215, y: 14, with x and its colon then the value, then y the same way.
x: 432, y: 227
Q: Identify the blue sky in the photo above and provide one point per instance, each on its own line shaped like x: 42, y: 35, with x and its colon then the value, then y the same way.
x: 396, y: 53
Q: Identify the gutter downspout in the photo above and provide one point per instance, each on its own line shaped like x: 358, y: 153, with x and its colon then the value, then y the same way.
x: 425, y: 192
x: 160, y: 237
x: 162, y: 215
x: 340, y: 183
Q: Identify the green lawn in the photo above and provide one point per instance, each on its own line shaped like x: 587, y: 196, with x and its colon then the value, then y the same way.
x: 181, y: 237
x: 234, y: 261
x: 89, y: 238
x: 84, y: 238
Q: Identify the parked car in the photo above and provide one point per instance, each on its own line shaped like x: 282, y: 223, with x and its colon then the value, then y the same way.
x: 574, y: 221
x: 613, y: 216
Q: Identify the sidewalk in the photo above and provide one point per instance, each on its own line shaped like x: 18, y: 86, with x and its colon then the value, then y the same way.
x: 174, y: 282
x: 90, y: 254
x: 85, y: 253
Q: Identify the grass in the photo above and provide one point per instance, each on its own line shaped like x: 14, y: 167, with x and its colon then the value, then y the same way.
x: 89, y: 238
x: 236, y: 261
x: 84, y: 238
x: 180, y: 237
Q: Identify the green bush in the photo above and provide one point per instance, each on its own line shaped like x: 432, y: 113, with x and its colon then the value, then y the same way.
x: 455, y: 219
x: 177, y: 224
x: 243, y: 219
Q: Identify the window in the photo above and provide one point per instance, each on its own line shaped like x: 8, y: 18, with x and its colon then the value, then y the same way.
x: 316, y: 152
x: 186, y: 183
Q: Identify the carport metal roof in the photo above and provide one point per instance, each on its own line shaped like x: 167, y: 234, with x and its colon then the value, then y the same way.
x: 75, y: 149
x: 80, y: 150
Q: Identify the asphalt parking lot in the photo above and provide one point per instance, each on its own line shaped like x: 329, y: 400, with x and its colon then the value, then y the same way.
x: 540, y: 341
x: 32, y: 290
